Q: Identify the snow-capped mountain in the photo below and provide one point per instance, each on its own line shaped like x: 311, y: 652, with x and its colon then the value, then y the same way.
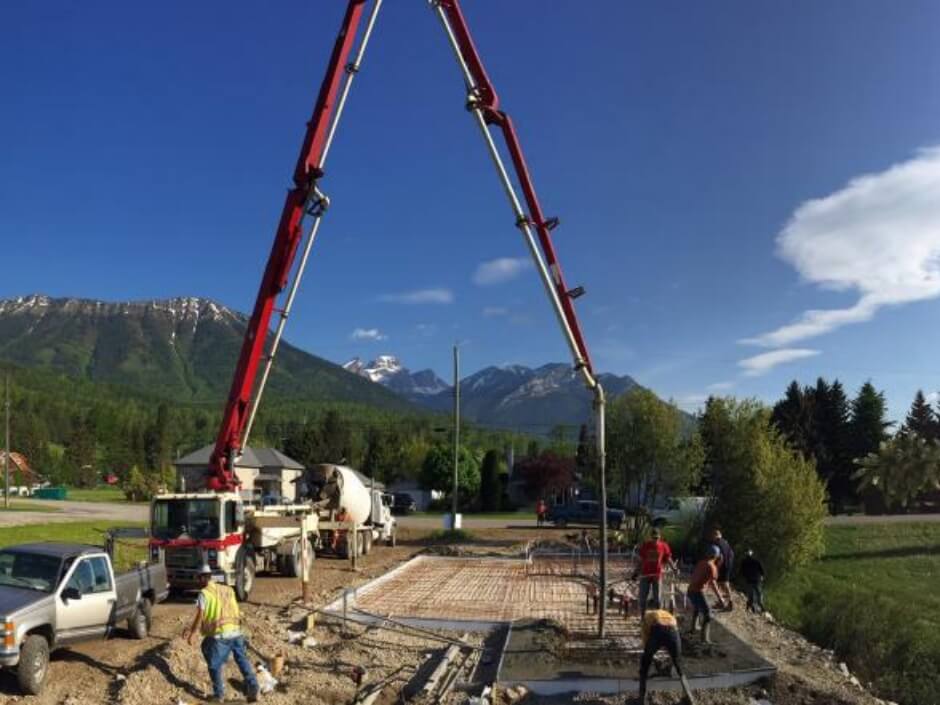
x: 531, y: 399
x: 181, y: 348
x: 388, y: 371
x: 513, y: 395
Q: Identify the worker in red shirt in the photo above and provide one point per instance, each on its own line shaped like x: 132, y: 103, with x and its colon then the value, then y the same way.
x: 540, y: 511
x: 705, y: 575
x: 654, y: 554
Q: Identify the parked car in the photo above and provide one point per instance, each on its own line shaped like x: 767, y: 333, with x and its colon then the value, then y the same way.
x: 56, y: 594
x: 584, y: 511
x: 403, y: 503
x: 675, y: 510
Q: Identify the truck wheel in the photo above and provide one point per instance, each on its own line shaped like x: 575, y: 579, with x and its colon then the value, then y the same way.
x: 34, y: 664
x: 366, y: 541
x: 139, y: 623
x: 392, y: 539
x: 244, y: 575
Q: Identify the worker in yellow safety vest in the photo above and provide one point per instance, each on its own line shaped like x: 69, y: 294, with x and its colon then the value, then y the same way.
x: 219, y: 621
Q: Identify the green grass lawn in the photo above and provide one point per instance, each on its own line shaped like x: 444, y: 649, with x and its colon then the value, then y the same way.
x: 90, y: 532
x: 24, y: 505
x: 873, y: 597
x: 98, y: 494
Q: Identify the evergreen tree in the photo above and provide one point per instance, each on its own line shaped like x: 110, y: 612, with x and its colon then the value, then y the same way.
x: 490, y: 490
x: 793, y: 417
x: 837, y: 466
x: 868, y: 427
x: 921, y: 419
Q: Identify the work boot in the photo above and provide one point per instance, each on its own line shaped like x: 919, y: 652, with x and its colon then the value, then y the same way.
x: 706, y: 633
x: 252, y: 695
x: 694, y: 624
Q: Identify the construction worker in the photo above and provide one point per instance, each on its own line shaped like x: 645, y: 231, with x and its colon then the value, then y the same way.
x: 703, y: 576
x: 659, y: 630
x: 218, y: 619
x: 654, y: 554
x: 725, y: 567
x: 753, y: 573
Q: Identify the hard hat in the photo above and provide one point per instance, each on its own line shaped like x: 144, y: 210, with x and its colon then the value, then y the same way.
x: 204, y: 569
x: 713, y: 551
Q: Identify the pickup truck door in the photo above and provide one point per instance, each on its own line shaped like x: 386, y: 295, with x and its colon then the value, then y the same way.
x: 88, y: 616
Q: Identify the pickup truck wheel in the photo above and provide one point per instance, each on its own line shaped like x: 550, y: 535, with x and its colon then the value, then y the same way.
x: 139, y: 622
x: 34, y: 664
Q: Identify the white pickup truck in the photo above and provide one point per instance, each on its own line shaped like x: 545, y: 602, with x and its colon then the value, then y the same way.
x: 56, y: 594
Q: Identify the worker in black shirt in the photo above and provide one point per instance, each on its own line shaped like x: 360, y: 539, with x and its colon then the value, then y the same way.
x: 753, y: 573
x: 725, y: 566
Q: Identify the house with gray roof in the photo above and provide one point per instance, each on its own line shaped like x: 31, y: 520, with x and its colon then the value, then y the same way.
x: 264, y: 471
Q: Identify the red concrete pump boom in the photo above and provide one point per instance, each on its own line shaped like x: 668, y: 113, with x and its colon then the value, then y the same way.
x: 305, y: 198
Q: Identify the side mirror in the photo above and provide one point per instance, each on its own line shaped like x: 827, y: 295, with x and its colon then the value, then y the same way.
x: 71, y: 593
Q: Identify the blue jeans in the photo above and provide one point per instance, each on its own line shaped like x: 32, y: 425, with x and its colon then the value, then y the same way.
x: 217, y: 651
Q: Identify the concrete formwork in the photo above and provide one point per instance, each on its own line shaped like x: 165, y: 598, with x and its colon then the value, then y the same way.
x: 479, y: 594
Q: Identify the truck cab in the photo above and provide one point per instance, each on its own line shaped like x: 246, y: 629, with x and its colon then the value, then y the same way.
x: 189, y: 530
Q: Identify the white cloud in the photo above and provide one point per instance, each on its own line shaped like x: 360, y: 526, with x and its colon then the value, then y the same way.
x: 500, y: 270
x: 760, y: 364
x: 720, y: 386
x: 420, y: 296
x: 372, y: 334
x: 879, y: 236
x: 495, y: 311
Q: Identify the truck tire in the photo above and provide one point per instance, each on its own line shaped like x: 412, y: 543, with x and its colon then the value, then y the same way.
x: 392, y: 539
x: 244, y: 574
x: 139, y: 623
x: 34, y: 664
x: 366, y: 541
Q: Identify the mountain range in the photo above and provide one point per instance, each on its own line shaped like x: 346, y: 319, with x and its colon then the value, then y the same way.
x: 185, y: 349
x: 510, y: 396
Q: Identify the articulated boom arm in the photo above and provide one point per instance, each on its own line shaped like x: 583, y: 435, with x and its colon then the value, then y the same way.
x: 302, y: 199
x: 483, y: 101
x: 305, y: 198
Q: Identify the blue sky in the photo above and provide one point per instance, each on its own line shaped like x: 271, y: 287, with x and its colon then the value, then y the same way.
x: 704, y: 159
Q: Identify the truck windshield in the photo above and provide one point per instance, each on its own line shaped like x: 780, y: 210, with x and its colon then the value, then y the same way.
x: 192, y: 518
x: 34, y: 571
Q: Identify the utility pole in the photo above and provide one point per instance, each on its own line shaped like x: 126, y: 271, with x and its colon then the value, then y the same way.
x: 6, y: 453
x: 453, y: 521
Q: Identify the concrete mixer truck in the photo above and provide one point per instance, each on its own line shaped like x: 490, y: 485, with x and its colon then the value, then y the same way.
x: 334, y: 512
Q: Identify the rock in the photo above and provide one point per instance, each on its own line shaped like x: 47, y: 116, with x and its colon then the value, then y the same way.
x: 844, y: 669
x: 855, y: 681
x: 309, y: 642
x: 294, y: 637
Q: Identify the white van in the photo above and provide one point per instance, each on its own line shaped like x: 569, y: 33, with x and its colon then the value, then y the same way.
x: 675, y: 510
